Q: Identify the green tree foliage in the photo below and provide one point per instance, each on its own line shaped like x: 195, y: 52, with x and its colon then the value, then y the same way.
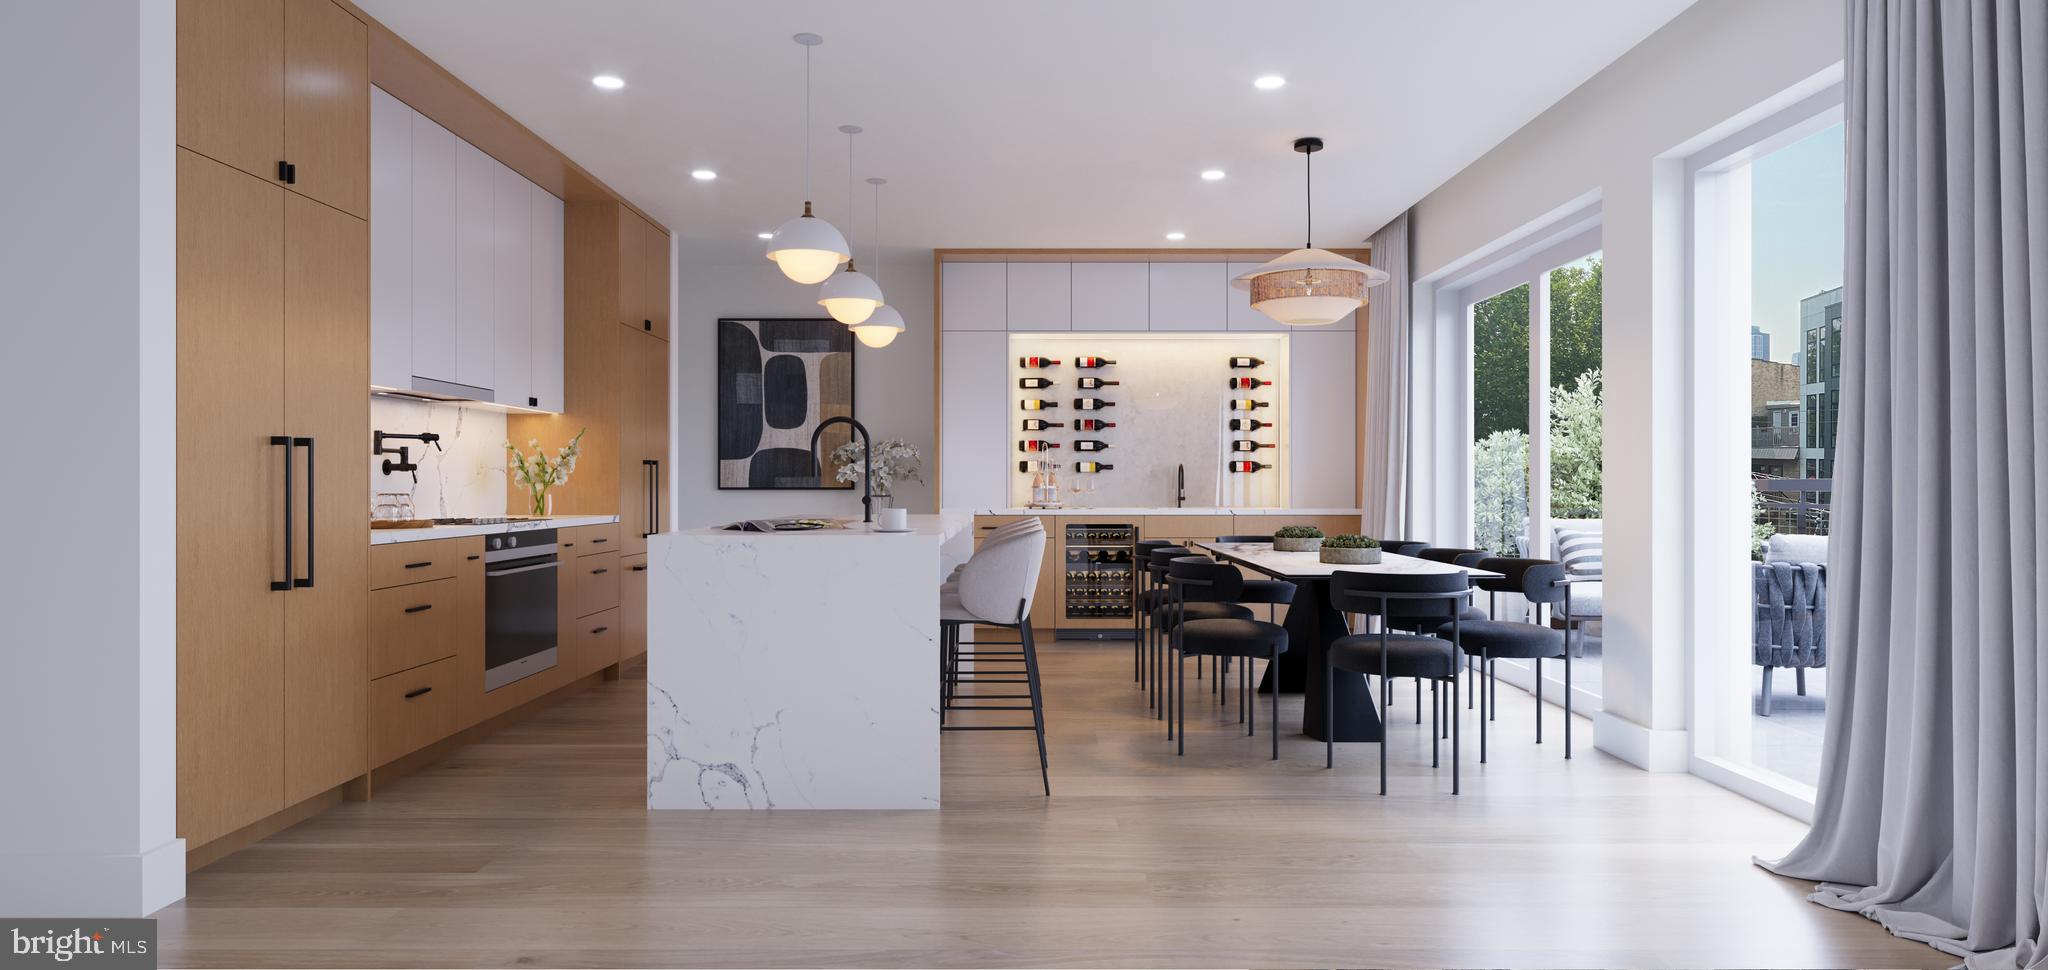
x: 1500, y: 364
x: 1575, y: 448
x: 1500, y: 491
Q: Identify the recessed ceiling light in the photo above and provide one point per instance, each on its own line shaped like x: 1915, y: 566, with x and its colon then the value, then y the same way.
x: 1212, y: 175
x: 1271, y: 82
x: 703, y: 175
x: 609, y: 82
x: 1176, y: 236
x: 764, y: 235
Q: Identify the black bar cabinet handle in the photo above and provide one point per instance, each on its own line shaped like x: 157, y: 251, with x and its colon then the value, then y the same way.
x: 599, y: 572
x: 311, y: 517
x: 285, y: 441
x: 409, y: 695
x: 599, y: 630
x: 419, y: 565
x: 419, y: 609
x: 641, y: 568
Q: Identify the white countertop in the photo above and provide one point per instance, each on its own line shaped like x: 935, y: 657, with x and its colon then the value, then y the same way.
x: 945, y: 525
x: 1169, y: 510
x: 379, y: 537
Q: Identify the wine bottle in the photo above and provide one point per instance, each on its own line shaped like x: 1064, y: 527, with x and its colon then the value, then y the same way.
x: 1040, y: 362
x: 1241, y: 383
x: 1090, y: 444
x: 1091, y: 383
x: 1034, y: 383
x: 1248, y: 424
x: 1243, y: 362
x: 1092, y: 403
x: 1092, y: 362
x: 1246, y: 404
x: 1033, y: 404
x: 1040, y: 424
x: 1242, y: 466
x: 1092, y: 424
x: 1034, y: 444
x: 1024, y: 465
x: 1245, y: 444
x: 1096, y: 466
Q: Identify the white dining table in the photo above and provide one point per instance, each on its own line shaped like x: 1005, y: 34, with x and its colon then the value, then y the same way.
x: 1312, y: 624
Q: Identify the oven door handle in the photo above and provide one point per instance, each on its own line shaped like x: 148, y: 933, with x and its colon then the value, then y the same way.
x: 520, y: 569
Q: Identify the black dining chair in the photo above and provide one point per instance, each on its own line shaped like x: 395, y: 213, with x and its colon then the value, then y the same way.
x: 1195, y: 582
x: 1141, y: 555
x: 1388, y: 654
x: 1166, y: 617
x: 1543, y: 583
x: 1274, y: 593
x: 1403, y: 547
x: 1428, y: 624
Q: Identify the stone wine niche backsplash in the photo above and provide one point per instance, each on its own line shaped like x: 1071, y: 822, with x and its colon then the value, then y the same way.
x: 465, y: 478
x: 1172, y: 408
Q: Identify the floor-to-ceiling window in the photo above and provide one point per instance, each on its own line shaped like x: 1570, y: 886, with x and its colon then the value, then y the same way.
x: 1767, y: 279
x: 1500, y: 422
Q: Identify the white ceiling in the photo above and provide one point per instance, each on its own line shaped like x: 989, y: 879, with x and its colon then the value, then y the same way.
x: 1029, y: 123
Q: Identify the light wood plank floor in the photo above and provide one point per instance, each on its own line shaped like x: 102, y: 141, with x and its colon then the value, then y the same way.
x: 532, y: 848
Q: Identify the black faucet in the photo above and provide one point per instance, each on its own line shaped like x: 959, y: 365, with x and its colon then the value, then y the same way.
x: 1180, y: 485
x: 404, y: 453
x: 867, y: 464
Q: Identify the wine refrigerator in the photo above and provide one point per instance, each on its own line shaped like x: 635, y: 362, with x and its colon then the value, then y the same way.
x: 1099, y: 586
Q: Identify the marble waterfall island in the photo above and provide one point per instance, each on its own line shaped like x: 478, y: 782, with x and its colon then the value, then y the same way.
x: 796, y: 670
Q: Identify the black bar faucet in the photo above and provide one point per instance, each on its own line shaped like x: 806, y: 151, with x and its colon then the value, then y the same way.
x: 867, y: 463
x: 1180, y: 485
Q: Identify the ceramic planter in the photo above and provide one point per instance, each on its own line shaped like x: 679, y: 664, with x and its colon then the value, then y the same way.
x: 1284, y: 544
x: 1351, y: 557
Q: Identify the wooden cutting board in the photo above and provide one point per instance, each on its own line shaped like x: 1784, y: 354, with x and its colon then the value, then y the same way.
x: 401, y: 523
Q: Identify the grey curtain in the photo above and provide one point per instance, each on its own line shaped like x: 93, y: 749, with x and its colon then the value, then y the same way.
x: 1932, y: 815
x: 1383, y: 465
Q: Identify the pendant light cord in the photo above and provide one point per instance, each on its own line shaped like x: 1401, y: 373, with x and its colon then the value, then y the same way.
x: 807, y: 124
x: 878, y: 235
x: 851, y: 228
x: 1308, y: 160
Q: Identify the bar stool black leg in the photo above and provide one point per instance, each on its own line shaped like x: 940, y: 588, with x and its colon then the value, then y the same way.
x: 1037, y: 700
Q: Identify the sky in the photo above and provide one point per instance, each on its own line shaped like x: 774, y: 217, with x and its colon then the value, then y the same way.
x: 1796, y: 230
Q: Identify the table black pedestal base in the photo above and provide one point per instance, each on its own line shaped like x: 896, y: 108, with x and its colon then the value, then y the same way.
x: 1311, y: 625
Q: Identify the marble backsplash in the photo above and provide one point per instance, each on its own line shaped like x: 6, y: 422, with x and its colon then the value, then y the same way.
x: 465, y: 478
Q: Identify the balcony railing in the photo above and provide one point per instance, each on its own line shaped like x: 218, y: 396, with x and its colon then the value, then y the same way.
x: 1774, y: 437
x: 1797, y: 505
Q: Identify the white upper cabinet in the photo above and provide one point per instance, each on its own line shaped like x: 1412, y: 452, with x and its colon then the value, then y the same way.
x: 390, y: 241
x: 974, y: 296
x: 476, y: 324
x: 1188, y: 296
x: 433, y: 251
x: 546, y: 285
x: 1041, y: 296
x: 1111, y: 296
x: 466, y: 268
x: 512, y: 269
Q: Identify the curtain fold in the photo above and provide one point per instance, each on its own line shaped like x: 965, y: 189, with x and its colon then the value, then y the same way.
x: 1931, y: 815
x: 1383, y: 463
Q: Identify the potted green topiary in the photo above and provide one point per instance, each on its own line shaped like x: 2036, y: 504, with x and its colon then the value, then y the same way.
x: 1297, y: 538
x: 1351, y: 550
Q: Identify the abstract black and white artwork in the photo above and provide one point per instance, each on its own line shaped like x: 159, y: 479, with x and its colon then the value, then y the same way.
x: 777, y: 379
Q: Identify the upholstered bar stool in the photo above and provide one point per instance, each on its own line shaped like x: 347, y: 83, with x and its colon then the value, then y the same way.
x: 1542, y: 582
x: 995, y: 589
x: 1387, y: 654
x: 1193, y: 582
x: 951, y: 657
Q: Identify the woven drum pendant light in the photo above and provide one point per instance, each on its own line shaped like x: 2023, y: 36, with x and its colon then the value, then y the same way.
x: 808, y: 248
x: 1309, y: 287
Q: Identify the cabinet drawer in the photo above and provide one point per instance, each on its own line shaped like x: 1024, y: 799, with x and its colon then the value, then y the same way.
x: 597, y: 642
x: 597, y: 583
x: 590, y: 540
x: 399, y: 563
x: 411, y: 710
x: 412, y: 625
x: 1187, y: 526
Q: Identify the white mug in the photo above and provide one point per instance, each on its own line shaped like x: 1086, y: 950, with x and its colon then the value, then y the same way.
x: 894, y: 520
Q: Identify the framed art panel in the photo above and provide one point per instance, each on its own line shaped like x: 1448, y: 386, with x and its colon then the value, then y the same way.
x: 777, y: 379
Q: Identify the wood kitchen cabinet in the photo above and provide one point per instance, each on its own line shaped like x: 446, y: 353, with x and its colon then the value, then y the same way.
x: 643, y: 436
x: 633, y: 607
x: 273, y: 355
x: 643, y: 275
x: 278, y: 89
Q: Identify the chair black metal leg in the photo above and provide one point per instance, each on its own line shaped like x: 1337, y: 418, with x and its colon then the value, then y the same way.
x: 1539, y: 700
x: 1493, y: 690
x: 1180, y: 703
x: 1329, y: 734
x: 1274, y: 728
x: 1244, y: 677
x: 1037, y: 700
x: 1455, y: 767
x: 1386, y: 694
x: 1484, y: 662
x: 1251, y: 724
x: 1418, y: 700
x: 1567, y: 705
x: 1435, y: 714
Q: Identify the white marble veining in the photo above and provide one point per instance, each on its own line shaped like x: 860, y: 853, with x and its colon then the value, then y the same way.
x: 379, y: 537
x: 795, y: 670
x: 466, y: 477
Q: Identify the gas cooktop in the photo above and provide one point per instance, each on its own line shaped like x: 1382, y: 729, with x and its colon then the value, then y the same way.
x: 515, y: 521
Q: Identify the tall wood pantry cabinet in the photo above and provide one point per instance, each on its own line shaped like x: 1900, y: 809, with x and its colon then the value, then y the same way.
x: 273, y: 411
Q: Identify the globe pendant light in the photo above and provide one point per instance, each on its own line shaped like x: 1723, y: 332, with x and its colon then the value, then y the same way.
x: 1309, y: 287
x: 807, y: 248
x: 885, y: 323
x: 849, y: 296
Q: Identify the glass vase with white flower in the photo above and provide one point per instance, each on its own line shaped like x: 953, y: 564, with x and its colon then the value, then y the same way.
x: 894, y: 461
x: 539, y: 474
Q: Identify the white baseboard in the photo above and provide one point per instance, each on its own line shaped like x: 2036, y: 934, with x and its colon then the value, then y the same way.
x: 66, y: 884
x: 1648, y: 749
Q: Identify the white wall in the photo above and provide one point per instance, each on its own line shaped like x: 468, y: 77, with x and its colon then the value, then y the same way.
x: 88, y: 669
x: 892, y: 385
x: 1615, y: 140
x: 465, y: 477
